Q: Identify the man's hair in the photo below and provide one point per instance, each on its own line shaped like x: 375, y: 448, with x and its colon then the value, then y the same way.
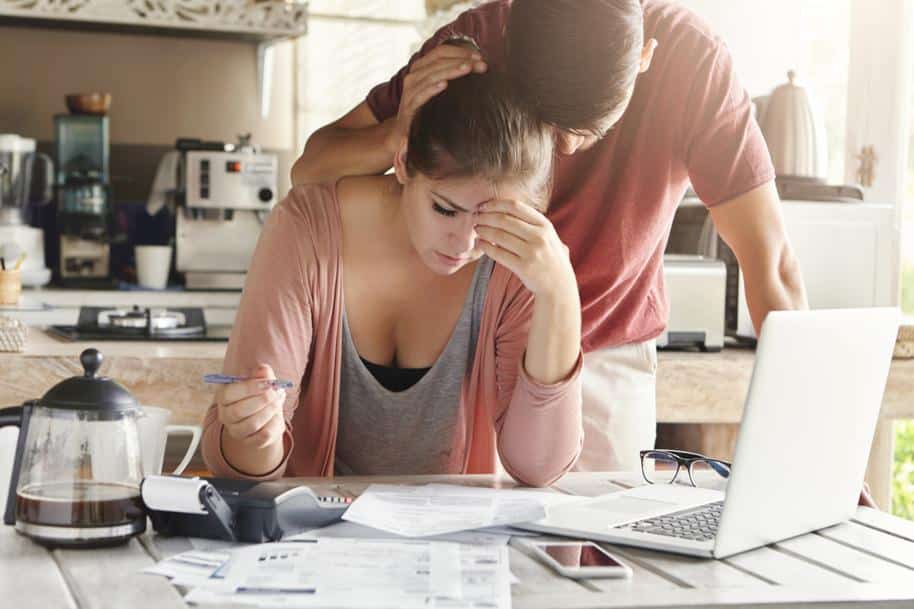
x: 476, y: 128
x: 574, y: 62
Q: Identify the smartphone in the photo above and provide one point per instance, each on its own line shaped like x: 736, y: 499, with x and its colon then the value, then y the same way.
x: 580, y: 559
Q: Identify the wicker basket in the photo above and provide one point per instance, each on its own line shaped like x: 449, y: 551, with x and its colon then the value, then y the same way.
x: 12, y: 335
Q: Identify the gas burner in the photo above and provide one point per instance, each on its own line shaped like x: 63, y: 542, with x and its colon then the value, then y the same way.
x: 156, y: 319
x: 139, y: 323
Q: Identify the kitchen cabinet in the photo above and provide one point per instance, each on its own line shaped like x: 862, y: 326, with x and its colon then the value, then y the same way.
x: 261, y: 22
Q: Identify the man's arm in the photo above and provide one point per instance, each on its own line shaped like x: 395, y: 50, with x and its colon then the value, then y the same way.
x: 753, y: 226
x: 355, y: 144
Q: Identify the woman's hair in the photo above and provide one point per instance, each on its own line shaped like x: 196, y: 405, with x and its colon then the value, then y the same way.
x: 476, y: 128
x: 574, y: 62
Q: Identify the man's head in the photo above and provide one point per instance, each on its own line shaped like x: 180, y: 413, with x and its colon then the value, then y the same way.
x: 574, y: 63
x: 470, y: 144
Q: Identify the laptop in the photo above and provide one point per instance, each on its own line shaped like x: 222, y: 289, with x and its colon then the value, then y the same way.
x: 808, y: 422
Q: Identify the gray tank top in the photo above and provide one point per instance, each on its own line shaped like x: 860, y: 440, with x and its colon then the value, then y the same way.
x: 414, y: 431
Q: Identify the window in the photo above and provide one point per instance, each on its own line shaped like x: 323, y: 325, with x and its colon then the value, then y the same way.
x: 810, y: 37
x: 907, y: 223
x: 341, y: 58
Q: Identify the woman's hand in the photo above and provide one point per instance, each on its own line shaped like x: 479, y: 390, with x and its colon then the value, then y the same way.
x: 522, y: 239
x: 251, y: 411
x: 427, y: 77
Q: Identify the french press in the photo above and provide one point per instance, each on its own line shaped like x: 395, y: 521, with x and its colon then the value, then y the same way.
x: 77, y: 470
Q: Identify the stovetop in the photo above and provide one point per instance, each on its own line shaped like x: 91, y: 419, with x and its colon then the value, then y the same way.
x: 142, y: 324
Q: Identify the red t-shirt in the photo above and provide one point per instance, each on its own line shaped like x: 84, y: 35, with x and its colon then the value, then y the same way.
x: 689, y: 121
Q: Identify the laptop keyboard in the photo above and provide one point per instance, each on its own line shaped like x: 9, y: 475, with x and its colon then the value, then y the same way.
x: 696, y: 524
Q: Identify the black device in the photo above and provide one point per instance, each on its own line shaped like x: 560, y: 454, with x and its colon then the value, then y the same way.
x: 241, y: 510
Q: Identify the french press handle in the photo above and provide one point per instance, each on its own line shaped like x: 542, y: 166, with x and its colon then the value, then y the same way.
x: 18, y: 416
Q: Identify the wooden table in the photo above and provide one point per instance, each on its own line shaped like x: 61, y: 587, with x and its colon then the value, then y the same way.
x: 865, y: 563
x: 702, y: 388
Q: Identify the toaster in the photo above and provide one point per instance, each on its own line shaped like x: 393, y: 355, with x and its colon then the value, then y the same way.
x: 696, y: 290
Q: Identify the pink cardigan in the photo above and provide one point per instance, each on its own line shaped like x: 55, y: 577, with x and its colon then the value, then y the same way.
x: 290, y: 317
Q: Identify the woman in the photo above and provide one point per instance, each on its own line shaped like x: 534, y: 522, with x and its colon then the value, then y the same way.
x: 427, y: 318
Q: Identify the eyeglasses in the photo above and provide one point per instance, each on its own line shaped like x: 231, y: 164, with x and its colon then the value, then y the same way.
x: 662, y: 467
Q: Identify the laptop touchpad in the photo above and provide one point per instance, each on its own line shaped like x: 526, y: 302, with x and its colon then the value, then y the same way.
x: 635, y: 504
x: 624, y: 509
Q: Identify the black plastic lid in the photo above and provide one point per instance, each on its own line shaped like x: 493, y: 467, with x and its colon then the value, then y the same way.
x: 90, y: 392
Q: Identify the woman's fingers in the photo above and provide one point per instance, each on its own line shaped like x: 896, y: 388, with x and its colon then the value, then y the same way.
x: 504, y: 239
x: 269, y: 433
x: 506, y: 258
x: 253, y: 424
x: 522, y: 239
x: 510, y: 224
x: 518, y: 209
x: 242, y: 390
x: 260, y: 375
x: 242, y: 409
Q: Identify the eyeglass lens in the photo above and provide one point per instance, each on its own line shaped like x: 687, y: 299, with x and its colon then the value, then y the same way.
x: 659, y: 467
x: 708, y: 472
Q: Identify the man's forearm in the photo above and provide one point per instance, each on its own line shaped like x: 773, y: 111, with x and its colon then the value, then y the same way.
x: 778, y: 287
x: 334, y: 151
x: 753, y: 226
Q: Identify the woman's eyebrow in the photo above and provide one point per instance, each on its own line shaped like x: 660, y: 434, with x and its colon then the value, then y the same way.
x: 449, y: 202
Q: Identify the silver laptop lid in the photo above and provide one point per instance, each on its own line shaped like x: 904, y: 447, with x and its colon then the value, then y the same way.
x: 808, y: 422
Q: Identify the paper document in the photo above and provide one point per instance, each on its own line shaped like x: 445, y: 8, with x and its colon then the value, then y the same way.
x: 482, y: 537
x: 364, y: 574
x: 191, y: 569
x: 439, y: 509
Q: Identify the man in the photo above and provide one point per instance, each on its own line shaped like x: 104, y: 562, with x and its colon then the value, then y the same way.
x: 644, y: 100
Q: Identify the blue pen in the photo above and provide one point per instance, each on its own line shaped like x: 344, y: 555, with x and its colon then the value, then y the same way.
x: 227, y: 379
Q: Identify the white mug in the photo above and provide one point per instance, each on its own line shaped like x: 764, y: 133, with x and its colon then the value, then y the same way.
x: 152, y: 265
x: 154, y: 431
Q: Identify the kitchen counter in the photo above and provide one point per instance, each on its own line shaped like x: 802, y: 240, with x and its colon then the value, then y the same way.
x: 51, y: 306
x: 157, y: 373
x: 42, y: 344
x: 705, y: 388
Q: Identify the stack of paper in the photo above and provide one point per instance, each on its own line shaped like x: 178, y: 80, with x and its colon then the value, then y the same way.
x: 336, y: 572
x: 440, y: 509
x: 375, y: 558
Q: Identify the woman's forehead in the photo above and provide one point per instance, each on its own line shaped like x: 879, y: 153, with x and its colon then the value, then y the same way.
x: 470, y: 192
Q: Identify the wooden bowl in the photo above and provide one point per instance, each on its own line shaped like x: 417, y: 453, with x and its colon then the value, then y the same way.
x: 89, y: 103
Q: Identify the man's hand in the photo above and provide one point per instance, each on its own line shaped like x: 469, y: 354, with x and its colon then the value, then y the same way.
x: 427, y: 77
x: 866, y: 499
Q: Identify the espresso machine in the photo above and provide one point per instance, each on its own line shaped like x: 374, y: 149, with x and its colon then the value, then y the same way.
x: 17, y: 162
x: 224, y: 193
x: 84, y: 203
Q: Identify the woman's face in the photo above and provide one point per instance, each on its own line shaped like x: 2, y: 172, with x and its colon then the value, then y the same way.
x: 441, y: 218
